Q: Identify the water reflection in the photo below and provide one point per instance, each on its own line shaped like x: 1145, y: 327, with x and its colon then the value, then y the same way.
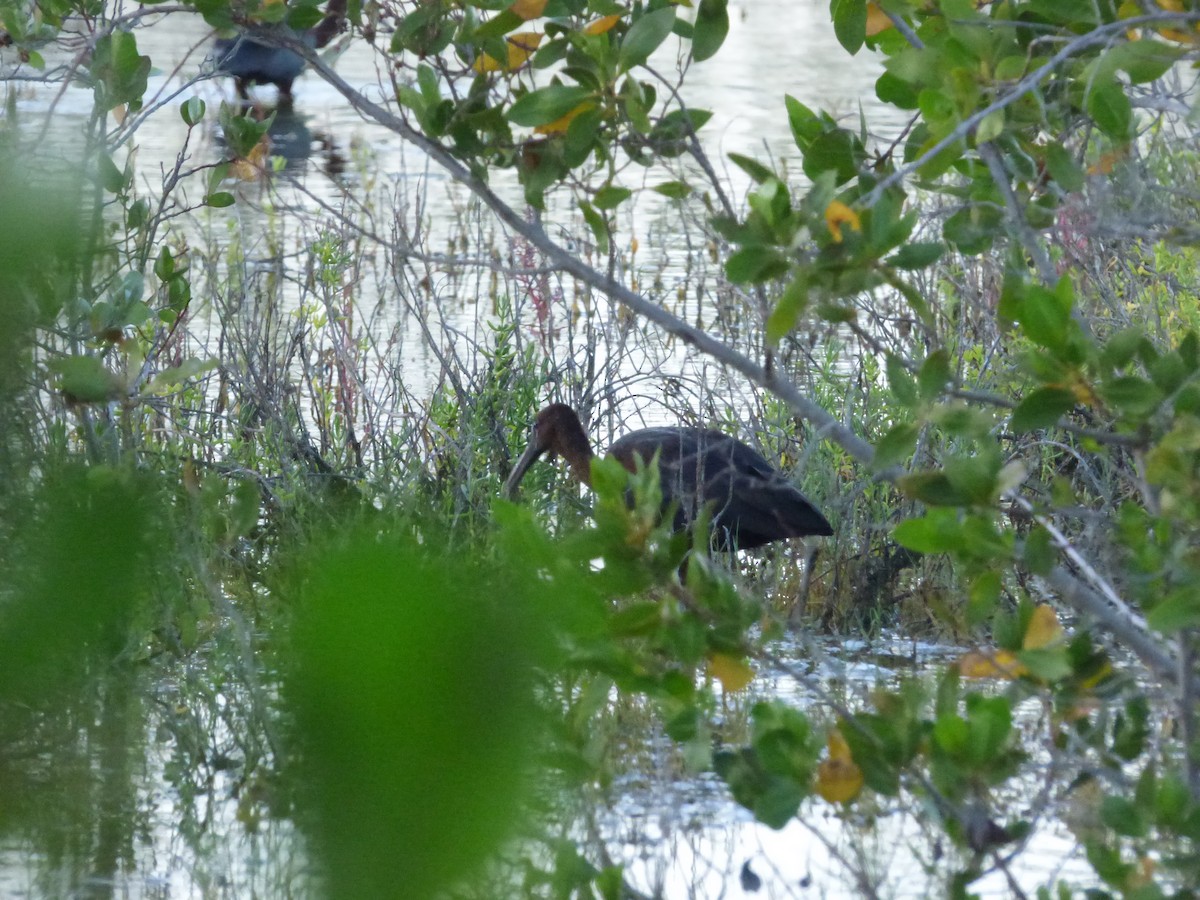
x: 293, y: 140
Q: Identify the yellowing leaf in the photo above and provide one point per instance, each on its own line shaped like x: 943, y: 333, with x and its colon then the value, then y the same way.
x: 529, y: 9
x: 996, y: 664
x: 1044, y: 629
x: 520, y: 48
x: 838, y: 214
x: 839, y: 779
x: 253, y: 166
x: 559, y: 125
x: 877, y: 20
x: 733, y: 673
x: 1101, y: 673
x: 602, y: 25
x: 1179, y: 37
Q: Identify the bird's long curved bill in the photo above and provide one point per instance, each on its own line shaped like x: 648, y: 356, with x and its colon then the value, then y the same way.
x: 528, y: 458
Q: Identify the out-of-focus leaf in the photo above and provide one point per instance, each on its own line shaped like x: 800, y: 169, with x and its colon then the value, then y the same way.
x: 414, y: 712
x: 712, y: 26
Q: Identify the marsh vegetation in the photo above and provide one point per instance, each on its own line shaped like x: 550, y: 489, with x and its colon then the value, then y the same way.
x: 267, y: 627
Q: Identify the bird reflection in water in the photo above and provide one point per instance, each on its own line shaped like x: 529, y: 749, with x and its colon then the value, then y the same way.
x: 291, y: 138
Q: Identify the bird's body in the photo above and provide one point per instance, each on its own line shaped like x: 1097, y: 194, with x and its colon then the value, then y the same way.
x: 749, y: 502
x: 252, y: 61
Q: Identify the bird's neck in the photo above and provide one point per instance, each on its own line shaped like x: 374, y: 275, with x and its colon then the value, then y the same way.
x: 575, y: 448
x: 327, y: 29
x: 581, y: 466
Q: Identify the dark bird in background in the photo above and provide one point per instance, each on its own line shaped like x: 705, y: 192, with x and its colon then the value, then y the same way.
x: 750, y: 502
x: 252, y: 62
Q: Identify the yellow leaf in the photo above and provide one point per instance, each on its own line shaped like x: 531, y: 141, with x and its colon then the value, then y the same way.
x: 602, y: 25
x: 1103, y: 672
x: 1044, y: 629
x: 838, y: 214
x: 839, y: 779
x: 560, y: 125
x: 996, y: 664
x: 733, y: 673
x: 877, y: 20
x: 520, y: 48
x: 1179, y: 37
x: 529, y: 9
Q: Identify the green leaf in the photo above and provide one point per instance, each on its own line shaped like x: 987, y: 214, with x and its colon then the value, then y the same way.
x: 1181, y: 609
x: 836, y: 151
x: 755, y: 264
x: 983, y: 597
x: 935, y: 532
x: 1039, y: 553
x: 778, y: 804
x: 1110, y: 109
x: 1132, y: 395
x: 1121, y: 347
x: 1044, y: 317
x: 1122, y: 816
x: 991, y: 127
x: 164, y: 265
x: 712, y: 26
x: 636, y: 619
x: 805, y: 124
x: 1143, y: 61
x: 611, y: 196
x: 1042, y: 409
x: 935, y: 375
x: 673, y: 190
x: 951, y: 733
x: 111, y: 178
x: 1063, y: 168
x: 192, y: 111
x: 896, y: 92
x: 644, y: 37
x: 933, y: 488
x: 972, y: 230
x: 849, y: 23
x: 597, y: 223
x: 896, y: 446
x: 84, y: 379
x: 1048, y: 664
x: 547, y: 104
x: 917, y: 255
x: 752, y: 167
x: 497, y: 26
x: 903, y: 385
x: 120, y: 72
x: 788, y: 309
x: 991, y: 724
x: 219, y: 200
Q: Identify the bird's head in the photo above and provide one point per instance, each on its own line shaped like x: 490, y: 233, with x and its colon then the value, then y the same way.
x: 557, y: 431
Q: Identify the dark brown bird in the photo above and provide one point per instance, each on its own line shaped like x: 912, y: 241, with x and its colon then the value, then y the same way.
x: 750, y: 502
x: 253, y: 62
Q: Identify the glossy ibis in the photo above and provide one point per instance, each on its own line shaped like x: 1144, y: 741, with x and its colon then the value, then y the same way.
x: 750, y: 502
x: 253, y: 62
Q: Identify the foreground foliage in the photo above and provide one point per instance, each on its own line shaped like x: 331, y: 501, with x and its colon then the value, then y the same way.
x: 1012, y: 271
